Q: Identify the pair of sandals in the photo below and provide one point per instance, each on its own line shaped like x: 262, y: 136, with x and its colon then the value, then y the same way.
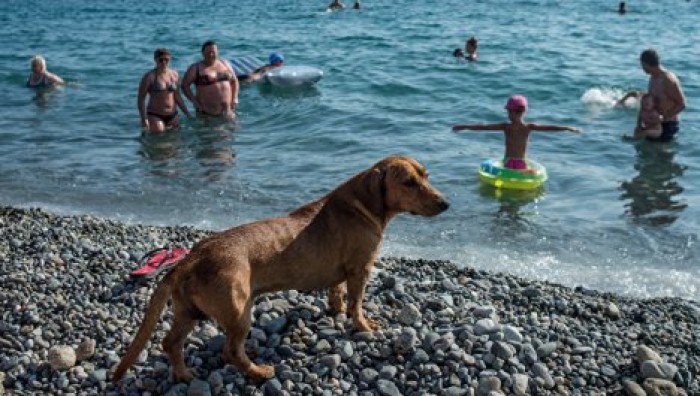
x: 159, y: 260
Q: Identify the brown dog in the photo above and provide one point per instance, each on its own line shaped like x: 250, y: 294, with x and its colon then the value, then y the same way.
x: 321, y: 245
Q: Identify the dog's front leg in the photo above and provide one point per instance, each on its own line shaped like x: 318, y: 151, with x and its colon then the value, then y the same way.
x: 356, y: 294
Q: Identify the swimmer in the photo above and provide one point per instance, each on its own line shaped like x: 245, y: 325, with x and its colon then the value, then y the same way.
x: 216, y: 82
x: 470, y: 48
x: 623, y: 8
x: 649, y: 118
x: 275, y: 60
x: 162, y: 87
x: 335, y: 5
x: 40, y: 77
x: 458, y: 53
x: 517, y: 132
x: 356, y: 6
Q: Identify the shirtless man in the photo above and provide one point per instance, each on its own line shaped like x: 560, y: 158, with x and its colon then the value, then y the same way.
x: 217, y: 85
x: 666, y: 90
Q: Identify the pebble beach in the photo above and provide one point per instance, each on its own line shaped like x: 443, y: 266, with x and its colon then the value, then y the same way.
x: 69, y: 310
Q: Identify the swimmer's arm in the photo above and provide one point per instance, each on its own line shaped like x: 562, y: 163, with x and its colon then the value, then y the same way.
x: 479, y: 127
x: 141, y: 100
x: 178, y: 99
x: 187, y: 82
x: 674, y: 93
x: 54, y: 79
x: 234, y: 86
x: 631, y: 94
x: 553, y: 128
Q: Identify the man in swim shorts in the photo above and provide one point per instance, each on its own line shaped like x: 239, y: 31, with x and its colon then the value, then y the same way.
x: 666, y: 90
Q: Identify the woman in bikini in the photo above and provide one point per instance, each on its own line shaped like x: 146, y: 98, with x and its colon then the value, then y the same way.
x: 161, y: 86
x: 217, y: 85
x: 40, y: 77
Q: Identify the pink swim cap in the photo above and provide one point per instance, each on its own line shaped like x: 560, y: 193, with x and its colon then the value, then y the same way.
x: 517, y: 103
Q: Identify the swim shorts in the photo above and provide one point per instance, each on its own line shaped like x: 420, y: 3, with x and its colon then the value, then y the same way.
x: 515, y: 163
x: 670, y: 129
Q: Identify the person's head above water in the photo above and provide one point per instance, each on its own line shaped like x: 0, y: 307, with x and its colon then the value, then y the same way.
x: 517, y: 103
x: 458, y: 53
x: 38, y: 64
x: 472, y: 42
x: 276, y: 59
x: 623, y: 8
x: 650, y: 60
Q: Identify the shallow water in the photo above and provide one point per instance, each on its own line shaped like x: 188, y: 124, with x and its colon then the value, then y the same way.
x: 614, y: 215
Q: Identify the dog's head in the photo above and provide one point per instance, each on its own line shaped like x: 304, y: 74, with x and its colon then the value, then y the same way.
x: 404, y: 187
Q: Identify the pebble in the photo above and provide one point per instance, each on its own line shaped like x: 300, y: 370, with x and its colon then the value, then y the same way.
x: 61, y: 357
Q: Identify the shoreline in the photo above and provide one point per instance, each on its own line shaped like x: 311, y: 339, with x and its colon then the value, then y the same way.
x: 445, y: 330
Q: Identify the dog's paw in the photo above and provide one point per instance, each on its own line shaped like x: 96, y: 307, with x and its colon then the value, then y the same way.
x: 367, y: 325
x: 261, y: 371
x: 183, y: 376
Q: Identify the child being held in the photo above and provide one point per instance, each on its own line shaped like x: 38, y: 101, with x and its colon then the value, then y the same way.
x: 649, y: 118
x: 517, y: 132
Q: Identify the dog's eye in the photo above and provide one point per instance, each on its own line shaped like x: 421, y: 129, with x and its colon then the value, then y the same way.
x: 410, y: 183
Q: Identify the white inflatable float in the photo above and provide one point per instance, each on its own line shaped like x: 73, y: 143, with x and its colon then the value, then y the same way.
x: 292, y: 76
x: 285, y: 76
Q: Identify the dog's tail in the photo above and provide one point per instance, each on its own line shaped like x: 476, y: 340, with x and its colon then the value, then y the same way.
x: 150, y: 320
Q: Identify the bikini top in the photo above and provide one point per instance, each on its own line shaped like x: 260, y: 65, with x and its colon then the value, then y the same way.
x: 157, y: 86
x: 43, y: 82
x: 206, y: 79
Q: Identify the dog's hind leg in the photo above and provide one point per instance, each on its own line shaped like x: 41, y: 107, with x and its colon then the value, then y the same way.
x: 237, y: 327
x: 174, y: 342
x: 336, y: 298
x: 356, y: 294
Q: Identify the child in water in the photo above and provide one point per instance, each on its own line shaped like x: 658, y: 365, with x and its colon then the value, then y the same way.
x: 649, y: 118
x: 517, y: 132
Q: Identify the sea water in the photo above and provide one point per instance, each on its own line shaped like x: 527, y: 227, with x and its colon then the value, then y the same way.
x: 615, y: 215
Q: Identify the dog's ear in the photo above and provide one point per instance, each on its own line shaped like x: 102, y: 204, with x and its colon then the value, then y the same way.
x: 374, y: 190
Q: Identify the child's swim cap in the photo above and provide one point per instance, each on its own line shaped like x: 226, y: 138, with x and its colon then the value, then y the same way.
x: 517, y: 103
x: 275, y: 58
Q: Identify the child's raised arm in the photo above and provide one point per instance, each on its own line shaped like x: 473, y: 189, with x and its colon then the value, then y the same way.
x: 479, y: 127
x: 553, y: 128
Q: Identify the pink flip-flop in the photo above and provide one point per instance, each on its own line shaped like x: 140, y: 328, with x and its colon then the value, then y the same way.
x: 158, y: 260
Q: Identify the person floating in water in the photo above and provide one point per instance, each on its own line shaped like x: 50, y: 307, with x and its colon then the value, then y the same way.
x: 517, y: 132
x: 40, y: 77
x: 458, y: 53
x: 356, y: 6
x: 275, y: 60
x: 470, y: 48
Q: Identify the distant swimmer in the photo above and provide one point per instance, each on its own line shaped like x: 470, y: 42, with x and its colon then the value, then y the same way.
x: 335, y: 5
x: 162, y: 87
x: 470, y: 48
x: 666, y: 90
x: 275, y: 60
x: 623, y: 8
x: 356, y: 6
x: 458, y: 53
x: 40, y: 77
x: 216, y: 82
x: 517, y: 132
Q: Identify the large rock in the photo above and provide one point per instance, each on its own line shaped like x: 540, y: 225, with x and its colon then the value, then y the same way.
x: 659, y: 387
x: 645, y: 353
x: 520, y: 383
x: 488, y: 384
x: 541, y: 371
x: 406, y: 341
x: 409, y: 315
x: 633, y: 389
x: 85, y: 350
x: 612, y: 311
x: 546, y: 349
x: 387, y: 388
x: 652, y: 369
x: 62, y: 357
